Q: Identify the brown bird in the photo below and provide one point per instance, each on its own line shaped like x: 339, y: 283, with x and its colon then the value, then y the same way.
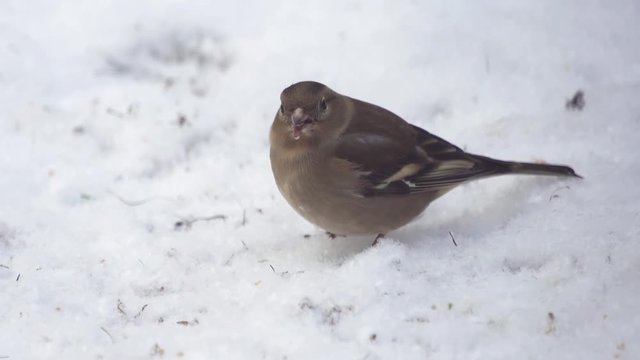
x: 354, y: 168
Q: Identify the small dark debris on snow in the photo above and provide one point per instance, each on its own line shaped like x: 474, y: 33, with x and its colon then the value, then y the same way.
x: 577, y: 102
x: 285, y: 273
x: 186, y: 224
x: 333, y: 315
x: 156, y: 350
x: 417, y: 319
x: 551, y: 323
x: 328, y: 316
x: 188, y: 323
x: 306, y: 304
x: 140, y: 312
x: 18, y: 277
x: 333, y: 236
x: 373, y: 337
x: 453, y: 239
x: 78, y: 130
x: 182, y: 120
x: 120, y: 308
x: 106, y: 332
x: 229, y: 259
x: 450, y: 306
x: 306, y: 236
x: 236, y: 253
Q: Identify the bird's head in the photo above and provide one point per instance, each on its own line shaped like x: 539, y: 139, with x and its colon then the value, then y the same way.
x: 310, y: 112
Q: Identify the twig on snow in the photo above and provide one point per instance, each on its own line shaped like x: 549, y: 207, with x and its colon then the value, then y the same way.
x: 120, y: 308
x: 140, y: 312
x: 187, y: 223
x: 453, y: 239
x: 106, y: 332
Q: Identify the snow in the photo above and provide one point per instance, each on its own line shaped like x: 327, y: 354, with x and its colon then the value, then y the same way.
x: 139, y: 218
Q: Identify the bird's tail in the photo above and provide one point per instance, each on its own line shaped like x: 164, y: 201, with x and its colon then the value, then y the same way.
x: 512, y: 167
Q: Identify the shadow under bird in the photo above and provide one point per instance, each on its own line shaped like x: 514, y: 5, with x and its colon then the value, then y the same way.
x: 354, y: 168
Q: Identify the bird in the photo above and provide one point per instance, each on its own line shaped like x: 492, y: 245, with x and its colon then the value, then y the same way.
x: 355, y: 168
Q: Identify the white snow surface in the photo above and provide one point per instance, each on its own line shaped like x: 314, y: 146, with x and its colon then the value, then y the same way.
x: 139, y: 218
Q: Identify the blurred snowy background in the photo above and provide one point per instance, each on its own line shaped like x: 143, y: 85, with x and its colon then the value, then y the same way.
x: 139, y: 218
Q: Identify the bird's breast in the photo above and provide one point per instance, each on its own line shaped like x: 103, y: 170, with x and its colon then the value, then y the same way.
x: 327, y: 192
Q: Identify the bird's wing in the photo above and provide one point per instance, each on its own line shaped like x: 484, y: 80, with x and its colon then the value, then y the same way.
x: 394, y: 157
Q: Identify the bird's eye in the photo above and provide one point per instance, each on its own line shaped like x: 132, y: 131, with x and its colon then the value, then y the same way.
x: 323, y: 105
x: 281, y: 109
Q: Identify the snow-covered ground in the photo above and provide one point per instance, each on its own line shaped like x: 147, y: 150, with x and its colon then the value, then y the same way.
x: 139, y: 218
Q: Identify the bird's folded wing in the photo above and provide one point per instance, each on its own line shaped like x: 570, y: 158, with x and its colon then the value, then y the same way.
x: 393, y: 157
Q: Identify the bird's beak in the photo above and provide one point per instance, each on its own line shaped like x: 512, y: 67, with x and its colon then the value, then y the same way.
x: 298, y: 121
